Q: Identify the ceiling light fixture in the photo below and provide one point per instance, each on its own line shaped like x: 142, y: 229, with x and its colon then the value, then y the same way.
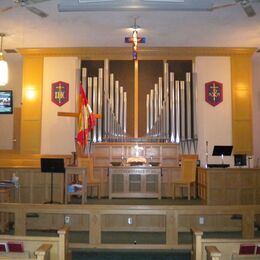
x: 3, y: 65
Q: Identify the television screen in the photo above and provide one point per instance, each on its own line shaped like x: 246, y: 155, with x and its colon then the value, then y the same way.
x: 240, y: 159
x: 6, y: 102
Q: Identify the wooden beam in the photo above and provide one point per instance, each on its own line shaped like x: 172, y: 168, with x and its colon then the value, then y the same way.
x: 68, y: 114
x: 136, y: 99
x: 71, y: 114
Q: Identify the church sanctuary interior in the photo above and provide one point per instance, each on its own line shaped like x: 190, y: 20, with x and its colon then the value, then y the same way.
x: 130, y: 129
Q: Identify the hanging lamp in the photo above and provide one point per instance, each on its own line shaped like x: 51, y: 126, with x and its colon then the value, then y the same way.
x: 3, y: 65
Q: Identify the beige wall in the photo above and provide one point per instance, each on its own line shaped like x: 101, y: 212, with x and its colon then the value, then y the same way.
x: 58, y: 133
x: 214, y: 123
x: 15, y: 84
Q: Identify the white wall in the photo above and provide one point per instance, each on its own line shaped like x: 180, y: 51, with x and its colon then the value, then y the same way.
x: 58, y: 133
x: 15, y: 84
x: 214, y: 123
x: 256, y: 109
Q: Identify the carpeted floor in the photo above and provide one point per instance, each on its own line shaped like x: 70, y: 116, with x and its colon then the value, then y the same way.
x: 139, y: 201
x: 130, y: 255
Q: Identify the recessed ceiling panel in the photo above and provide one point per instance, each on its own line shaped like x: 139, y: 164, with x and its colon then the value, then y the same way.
x: 134, y: 5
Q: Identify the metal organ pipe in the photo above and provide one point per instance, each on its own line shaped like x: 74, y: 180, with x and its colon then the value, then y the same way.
x: 172, y: 108
x: 95, y: 100
x: 188, y: 105
x: 125, y: 112
x: 177, y: 109
x: 147, y: 113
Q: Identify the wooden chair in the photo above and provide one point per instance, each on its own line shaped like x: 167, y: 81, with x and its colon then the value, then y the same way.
x: 188, y: 176
x: 91, y: 181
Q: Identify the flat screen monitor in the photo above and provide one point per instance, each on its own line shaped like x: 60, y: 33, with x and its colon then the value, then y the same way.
x: 240, y: 159
x: 6, y: 101
x: 219, y: 150
x: 52, y: 165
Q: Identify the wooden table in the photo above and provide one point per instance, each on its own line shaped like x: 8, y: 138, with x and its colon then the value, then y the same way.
x: 134, y: 182
x: 74, y: 174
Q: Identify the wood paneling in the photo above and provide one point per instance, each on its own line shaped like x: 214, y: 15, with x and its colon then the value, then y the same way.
x: 134, y: 182
x: 165, y: 154
x: 233, y: 186
x: 31, y: 108
x: 241, y: 76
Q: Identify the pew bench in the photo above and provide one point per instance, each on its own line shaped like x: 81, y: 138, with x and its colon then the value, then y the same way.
x: 42, y: 253
x: 38, y: 247
x: 221, y: 249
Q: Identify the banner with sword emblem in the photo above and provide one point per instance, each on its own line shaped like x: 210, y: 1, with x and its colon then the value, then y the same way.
x: 214, y: 92
x: 60, y: 93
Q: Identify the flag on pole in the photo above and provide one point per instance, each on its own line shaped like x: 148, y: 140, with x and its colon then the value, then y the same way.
x: 87, y: 119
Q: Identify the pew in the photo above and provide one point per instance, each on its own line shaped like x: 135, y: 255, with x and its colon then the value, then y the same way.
x: 38, y: 247
x: 222, y: 249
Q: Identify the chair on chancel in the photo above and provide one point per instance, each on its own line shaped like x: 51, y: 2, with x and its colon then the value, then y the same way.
x: 188, y: 176
x: 91, y: 181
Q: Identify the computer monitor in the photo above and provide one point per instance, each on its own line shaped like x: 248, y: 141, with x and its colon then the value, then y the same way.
x: 240, y: 159
x: 221, y: 150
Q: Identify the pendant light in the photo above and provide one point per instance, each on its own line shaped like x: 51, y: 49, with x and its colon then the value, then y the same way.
x: 3, y: 65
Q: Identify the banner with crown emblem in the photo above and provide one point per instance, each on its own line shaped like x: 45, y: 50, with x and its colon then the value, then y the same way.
x: 60, y: 93
x: 214, y: 92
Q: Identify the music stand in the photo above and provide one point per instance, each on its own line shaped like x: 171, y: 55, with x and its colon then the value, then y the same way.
x: 221, y: 150
x: 52, y: 165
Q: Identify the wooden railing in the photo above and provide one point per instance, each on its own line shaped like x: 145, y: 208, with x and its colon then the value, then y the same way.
x: 95, y: 215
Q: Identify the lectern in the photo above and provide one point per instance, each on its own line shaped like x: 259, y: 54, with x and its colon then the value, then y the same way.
x: 52, y: 165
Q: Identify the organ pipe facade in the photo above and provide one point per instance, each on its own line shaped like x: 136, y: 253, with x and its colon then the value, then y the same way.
x: 170, y: 108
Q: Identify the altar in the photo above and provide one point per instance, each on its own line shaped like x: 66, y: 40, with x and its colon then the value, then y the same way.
x: 134, y: 182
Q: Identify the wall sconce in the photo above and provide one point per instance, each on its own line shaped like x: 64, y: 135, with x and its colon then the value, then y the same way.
x: 30, y: 93
x: 3, y: 65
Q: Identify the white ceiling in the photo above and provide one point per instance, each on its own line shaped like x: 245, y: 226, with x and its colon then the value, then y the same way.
x: 224, y: 27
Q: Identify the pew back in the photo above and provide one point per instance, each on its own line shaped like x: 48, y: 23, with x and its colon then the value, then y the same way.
x: 228, y: 248
x: 58, y: 244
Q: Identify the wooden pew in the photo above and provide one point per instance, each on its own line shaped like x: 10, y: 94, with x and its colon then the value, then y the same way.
x: 40, y: 247
x: 219, y: 249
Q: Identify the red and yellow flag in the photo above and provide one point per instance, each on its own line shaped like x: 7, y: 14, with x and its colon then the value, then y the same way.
x: 87, y: 119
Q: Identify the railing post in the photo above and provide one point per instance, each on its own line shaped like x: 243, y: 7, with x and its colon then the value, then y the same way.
x: 248, y: 218
x: 94, y: 228
x: 20, y: 222
x: 63, y: 242
x: 171, y: 228
x: 196, y: 244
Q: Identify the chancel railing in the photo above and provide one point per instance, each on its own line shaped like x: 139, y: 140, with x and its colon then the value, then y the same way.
x: 95, y: 220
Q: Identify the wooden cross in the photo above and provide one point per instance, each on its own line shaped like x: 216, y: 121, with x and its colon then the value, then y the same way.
x: 71, y: 114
